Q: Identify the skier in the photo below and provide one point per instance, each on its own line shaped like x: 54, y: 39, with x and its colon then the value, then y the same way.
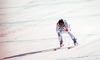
x: 62, y: 26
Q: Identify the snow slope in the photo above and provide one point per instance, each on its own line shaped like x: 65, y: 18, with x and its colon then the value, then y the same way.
x: 29, y: 26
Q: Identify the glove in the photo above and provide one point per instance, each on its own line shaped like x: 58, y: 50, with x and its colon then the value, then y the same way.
x: 66, y: 30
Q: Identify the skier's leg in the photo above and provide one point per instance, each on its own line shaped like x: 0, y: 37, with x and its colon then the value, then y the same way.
x: 73, y: 38
x: 60, y: 39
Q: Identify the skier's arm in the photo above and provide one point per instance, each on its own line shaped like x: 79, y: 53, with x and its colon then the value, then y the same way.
x: 57, y: 28
x: 66, y: 26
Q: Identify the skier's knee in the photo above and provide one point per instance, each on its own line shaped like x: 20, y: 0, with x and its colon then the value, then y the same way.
x: 58, y: 34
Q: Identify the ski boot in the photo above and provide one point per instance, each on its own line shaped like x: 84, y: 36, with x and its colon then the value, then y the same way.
x: 61, y: 43
x: 75, y: 42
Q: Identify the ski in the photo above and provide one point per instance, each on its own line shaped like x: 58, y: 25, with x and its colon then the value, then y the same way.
x: 70, y: 47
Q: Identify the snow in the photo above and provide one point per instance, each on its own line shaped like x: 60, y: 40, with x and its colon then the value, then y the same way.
x: 29, y: 26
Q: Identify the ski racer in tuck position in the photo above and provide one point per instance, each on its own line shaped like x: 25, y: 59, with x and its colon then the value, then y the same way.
x: 62, y: 26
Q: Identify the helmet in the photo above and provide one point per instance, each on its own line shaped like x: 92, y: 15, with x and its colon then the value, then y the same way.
x: 61, y: 22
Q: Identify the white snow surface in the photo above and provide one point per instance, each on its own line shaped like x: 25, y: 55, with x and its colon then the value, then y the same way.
x: 30, y: 26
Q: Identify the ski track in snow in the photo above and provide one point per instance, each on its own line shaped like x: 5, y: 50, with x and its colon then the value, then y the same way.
x: 28, y: 5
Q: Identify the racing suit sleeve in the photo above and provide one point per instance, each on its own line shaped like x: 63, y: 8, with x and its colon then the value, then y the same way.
x: 57, y: 28
x: 66, y: 26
